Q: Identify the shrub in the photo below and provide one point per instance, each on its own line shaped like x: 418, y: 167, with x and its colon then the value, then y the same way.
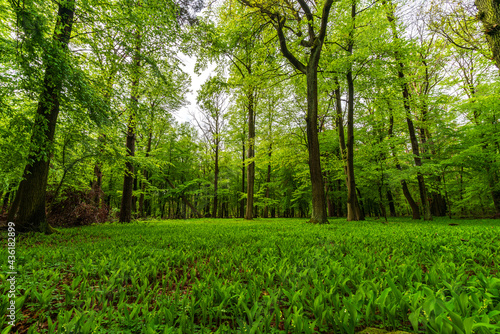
x: 76, y: 208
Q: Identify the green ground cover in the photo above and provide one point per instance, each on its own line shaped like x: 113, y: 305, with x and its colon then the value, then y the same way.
x: 265, y: 276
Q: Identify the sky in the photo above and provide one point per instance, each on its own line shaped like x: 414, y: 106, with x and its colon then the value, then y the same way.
x: 183, y: 115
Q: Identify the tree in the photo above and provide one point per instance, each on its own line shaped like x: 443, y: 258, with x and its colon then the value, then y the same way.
x: 405, y: 90
x: 278, y: 16
x: 212, y: 99
x: 28, y: 208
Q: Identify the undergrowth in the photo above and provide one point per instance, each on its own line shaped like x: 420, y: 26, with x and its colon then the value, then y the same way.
x: 264, y: 276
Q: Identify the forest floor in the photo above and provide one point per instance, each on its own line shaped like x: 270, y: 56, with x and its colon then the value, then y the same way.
x: 263, y: 276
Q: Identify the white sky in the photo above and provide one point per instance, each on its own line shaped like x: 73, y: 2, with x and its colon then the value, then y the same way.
x: 183, y: 115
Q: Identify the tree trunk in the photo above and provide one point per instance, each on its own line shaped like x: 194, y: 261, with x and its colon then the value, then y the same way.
x: 354, y: 212
x: 216, y: 180
x: 251, y: 155
x: 128, y: 180
x: 319, y: 214
x: 489, y: 14
x: 28, y: 209
x: 142, y: 202
x: 390, y: 199
x: 406, y: 192
x: 411, y: 128
x: 242, y: 201
x: 416, y: 156
x: 265, y: 214
x: 186, y: 201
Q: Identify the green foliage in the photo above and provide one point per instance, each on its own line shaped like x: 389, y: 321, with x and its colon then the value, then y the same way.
x: 266, y: 276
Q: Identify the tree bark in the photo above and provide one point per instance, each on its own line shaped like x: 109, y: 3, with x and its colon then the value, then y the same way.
x: 319, y: 214
x: 28, y: 209
x: 489, y: 15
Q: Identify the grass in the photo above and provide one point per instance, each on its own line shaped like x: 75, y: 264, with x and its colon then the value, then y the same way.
x: 264, y: 276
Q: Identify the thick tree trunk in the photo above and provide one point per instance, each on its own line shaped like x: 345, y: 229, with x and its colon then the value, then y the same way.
x: 97, y: 184
x: 28, y: 209
x: 489, y: 14
x: 128, y: 180
x: 319, y: 214
x: 315, y: 43
x: 251, y: 155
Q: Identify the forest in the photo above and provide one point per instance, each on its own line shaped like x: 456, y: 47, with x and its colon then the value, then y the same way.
x: 344, y: 109
x: 250, y: 166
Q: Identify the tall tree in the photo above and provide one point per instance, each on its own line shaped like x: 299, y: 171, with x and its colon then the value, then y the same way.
x: 279, y: 16
x: 405, y: 90
x: 212, y: 99
x: 489, y: 15
x: 28, y: 209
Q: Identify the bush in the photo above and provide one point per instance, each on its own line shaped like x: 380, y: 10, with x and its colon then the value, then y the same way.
x: 76, y: 208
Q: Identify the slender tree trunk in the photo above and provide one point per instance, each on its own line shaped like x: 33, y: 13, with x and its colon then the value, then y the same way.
x: 390, y: 199
x: 354, y: 212
x: 251, y: 155
x: 186, y: 201
x: 265, y: 214
x: 216, y: 180
x: 411, y: 128
x: 242, y: 202
x: 28, y: 209
x: 145, y: 175
x: 406, y: 192
x: 128, y: 180
x: 416, y: 157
